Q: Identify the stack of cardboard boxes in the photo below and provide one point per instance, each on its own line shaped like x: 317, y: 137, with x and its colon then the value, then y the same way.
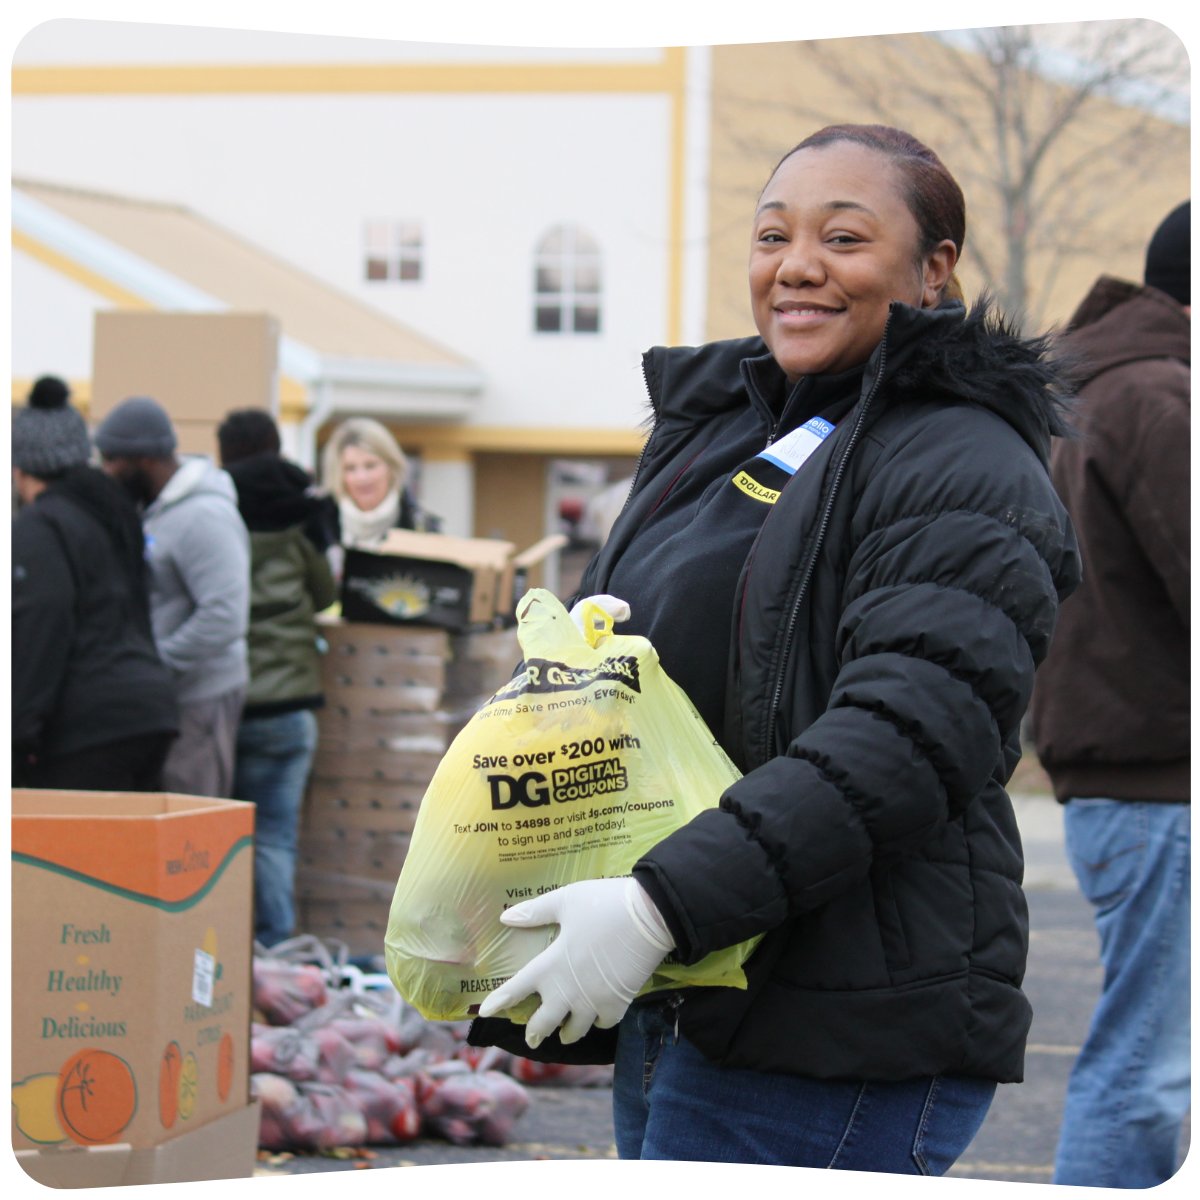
x: 395, y: 696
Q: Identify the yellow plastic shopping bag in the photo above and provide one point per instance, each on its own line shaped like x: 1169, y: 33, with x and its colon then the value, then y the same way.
x: 571, y: 771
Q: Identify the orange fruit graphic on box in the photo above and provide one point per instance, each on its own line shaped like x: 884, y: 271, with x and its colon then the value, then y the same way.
x: 96, y: 1097
x: 169, y: 1070
x: 225, y: 1066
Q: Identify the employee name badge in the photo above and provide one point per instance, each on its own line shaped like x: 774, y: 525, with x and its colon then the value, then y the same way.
x: 788, y: 454
x: 793, y: 450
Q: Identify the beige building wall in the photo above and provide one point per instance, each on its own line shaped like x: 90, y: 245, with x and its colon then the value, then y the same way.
x: 768, y: 97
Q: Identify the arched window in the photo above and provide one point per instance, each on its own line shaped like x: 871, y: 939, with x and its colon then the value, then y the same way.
x: 567, y: 282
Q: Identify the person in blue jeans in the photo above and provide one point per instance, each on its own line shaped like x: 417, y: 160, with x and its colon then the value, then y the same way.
x: 1130, y: 1088
x: 843, y: 543
x: 290, y: 582
x: 1112, y: 713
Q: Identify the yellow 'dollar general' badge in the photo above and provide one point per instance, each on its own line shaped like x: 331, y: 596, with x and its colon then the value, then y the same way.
x: 754, y: 489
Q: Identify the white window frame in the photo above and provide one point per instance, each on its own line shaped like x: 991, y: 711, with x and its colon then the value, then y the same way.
x: 567, y: 283
x: 393, y: 251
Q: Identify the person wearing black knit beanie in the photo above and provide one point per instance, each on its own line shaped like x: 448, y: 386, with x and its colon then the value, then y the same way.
x: 1169, y: 256
x: 1111, y: 713
x: 93, y: 705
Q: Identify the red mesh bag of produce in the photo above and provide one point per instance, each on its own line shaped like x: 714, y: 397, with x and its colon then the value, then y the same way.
x: 389, y: 1106
x: 285, y: 991
x: 542, y: 1074
x: 283, y: 1050
x: 469, y: 1107
x: 306, y: 1116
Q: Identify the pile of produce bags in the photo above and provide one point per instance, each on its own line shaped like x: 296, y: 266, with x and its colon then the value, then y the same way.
x: 339, y: 1059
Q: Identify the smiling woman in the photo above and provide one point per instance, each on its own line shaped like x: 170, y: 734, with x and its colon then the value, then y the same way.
x: 843, y: 542
x: 833, y: 246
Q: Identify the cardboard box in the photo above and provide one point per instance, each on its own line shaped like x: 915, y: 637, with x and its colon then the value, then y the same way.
x: 358, y: 647
x: 223, y: 1148
x: 340, y: 761
x: 402, y: 732
x: 364, y: 853
x: 132, y: 942
x: 421, y: 674
x: 531, y: 557
x: 331, y: 804
x: 198, y: 366
x: 361, y: 929
x: 342, y: 907
x: 480, y: 663
x: 430, y: 579
x: 433, y: 579
x: 422, y: 693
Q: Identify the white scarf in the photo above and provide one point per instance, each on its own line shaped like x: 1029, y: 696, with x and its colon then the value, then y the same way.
x: 366, y: 527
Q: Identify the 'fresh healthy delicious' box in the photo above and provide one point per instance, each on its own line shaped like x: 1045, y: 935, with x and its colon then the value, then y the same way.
x: 131, y: 965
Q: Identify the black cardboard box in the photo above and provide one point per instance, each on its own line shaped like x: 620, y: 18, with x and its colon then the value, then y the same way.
x: 430, y: 579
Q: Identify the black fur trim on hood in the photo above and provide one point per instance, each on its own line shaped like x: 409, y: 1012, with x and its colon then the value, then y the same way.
x: 974, y: 355
x: 979, y: 356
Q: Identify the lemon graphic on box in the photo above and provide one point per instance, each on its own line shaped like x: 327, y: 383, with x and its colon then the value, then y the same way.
x: 189, y: 1082
x: 209, y: 946
x: 33, y: 1102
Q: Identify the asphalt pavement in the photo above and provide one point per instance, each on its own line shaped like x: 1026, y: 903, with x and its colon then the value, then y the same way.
x: 1016, y: 1143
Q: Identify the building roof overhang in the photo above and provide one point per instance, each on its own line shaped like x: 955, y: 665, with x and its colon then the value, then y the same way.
x: 163, y: 257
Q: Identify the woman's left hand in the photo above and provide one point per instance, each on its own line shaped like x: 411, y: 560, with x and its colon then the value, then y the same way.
x: 616, y: 608
x: 610, y: 939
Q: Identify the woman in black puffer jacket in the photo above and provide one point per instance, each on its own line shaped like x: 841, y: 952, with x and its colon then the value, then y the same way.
x: 844, y: 544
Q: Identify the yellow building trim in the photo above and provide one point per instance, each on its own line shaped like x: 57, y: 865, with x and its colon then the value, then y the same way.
x: 349, y: 78
x: 677, y: 64
x: 80, y: 274
x: 294, y: 400
x: 444, y: 454
x: 293, y: 397
x: 442, y: 442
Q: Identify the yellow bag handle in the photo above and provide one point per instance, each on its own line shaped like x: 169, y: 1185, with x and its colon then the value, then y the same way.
x: 597, y: 623
x: 542, y: 610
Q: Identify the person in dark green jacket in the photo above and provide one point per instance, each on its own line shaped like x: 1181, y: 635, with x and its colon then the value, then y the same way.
x: 290, y: 582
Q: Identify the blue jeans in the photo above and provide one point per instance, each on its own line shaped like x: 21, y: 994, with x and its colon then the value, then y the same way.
x: 1129, y: 1088
x: 671, y: 1102
x: 274, y: 755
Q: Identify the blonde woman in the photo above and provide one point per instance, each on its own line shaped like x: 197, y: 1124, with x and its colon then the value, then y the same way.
x: 367, y: 473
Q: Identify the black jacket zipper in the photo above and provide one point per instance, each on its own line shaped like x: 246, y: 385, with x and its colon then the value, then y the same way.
x: 637, y: 470
x: 811, y: 562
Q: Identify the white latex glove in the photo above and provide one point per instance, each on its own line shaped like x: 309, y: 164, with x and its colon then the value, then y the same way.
x: 610, y: 939
x: 617, y: 609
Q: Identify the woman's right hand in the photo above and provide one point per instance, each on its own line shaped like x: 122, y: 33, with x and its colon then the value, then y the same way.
x: 610, y: 940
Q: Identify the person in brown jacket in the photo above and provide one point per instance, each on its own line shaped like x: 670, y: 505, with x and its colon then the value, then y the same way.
x: 1111, y: 713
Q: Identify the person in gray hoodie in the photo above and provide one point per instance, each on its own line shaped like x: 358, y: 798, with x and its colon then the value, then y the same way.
x: 199, y: 556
